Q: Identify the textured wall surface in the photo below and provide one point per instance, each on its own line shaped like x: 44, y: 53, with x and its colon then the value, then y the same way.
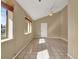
x: 72, y: 28
x: 11, y: 47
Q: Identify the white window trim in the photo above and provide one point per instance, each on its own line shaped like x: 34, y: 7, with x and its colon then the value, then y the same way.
x: 4, y: 40
x: 10, y: 28
x: 29, y: 29
x: 27, y: 33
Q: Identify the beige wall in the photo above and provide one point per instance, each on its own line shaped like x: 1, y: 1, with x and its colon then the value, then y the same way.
x: 72, y: 28
x: 11, y: 47
x: 64, y: 23
x: 57, y: 25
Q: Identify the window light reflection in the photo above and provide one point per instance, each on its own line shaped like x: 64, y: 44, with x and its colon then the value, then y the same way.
x: 41, y: 41
x: 43, y: 54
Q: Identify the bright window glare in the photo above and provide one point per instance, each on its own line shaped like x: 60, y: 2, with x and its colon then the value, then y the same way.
x: 3, y: 16
x: 43, y: 54
x: 41, y: 41
x: 3, y: 22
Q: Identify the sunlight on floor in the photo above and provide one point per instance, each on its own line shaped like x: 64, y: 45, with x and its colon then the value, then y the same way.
x: 41, y: 41
x: 43, y: 54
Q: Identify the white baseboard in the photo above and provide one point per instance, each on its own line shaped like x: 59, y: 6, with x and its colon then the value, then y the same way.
x: 53, y: 37
x: 60, y: 38
x: 69, y: 56
x: 21, y: 50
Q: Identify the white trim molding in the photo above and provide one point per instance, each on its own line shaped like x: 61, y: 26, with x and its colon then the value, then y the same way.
x: 58, y: 38
x: 53, y: 37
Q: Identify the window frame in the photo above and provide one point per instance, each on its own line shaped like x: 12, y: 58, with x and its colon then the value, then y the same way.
x: 8, y: 8
x: 29, y: 26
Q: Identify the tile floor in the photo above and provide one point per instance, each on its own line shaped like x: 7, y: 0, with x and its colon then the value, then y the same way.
x: 45, y: 49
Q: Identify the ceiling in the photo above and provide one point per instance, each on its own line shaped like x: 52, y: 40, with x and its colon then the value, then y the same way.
x: 43, y: 8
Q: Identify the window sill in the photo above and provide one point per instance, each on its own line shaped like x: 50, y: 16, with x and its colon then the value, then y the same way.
x: 4, y: 40
x: 27, y: 33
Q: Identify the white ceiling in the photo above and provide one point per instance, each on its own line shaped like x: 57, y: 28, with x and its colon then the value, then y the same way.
x: 41, y: 9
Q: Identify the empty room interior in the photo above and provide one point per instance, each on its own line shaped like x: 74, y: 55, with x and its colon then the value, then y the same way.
x: 39, y: 29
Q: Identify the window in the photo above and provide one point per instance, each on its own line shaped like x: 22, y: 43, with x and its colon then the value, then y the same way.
x: 6, y: 22
x: 4, y: 15
x: 28, y: 27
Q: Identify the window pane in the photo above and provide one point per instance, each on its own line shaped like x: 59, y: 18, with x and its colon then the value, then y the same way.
x: 3, y: 22
x: 26, y: 27
x: 29, y: 27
